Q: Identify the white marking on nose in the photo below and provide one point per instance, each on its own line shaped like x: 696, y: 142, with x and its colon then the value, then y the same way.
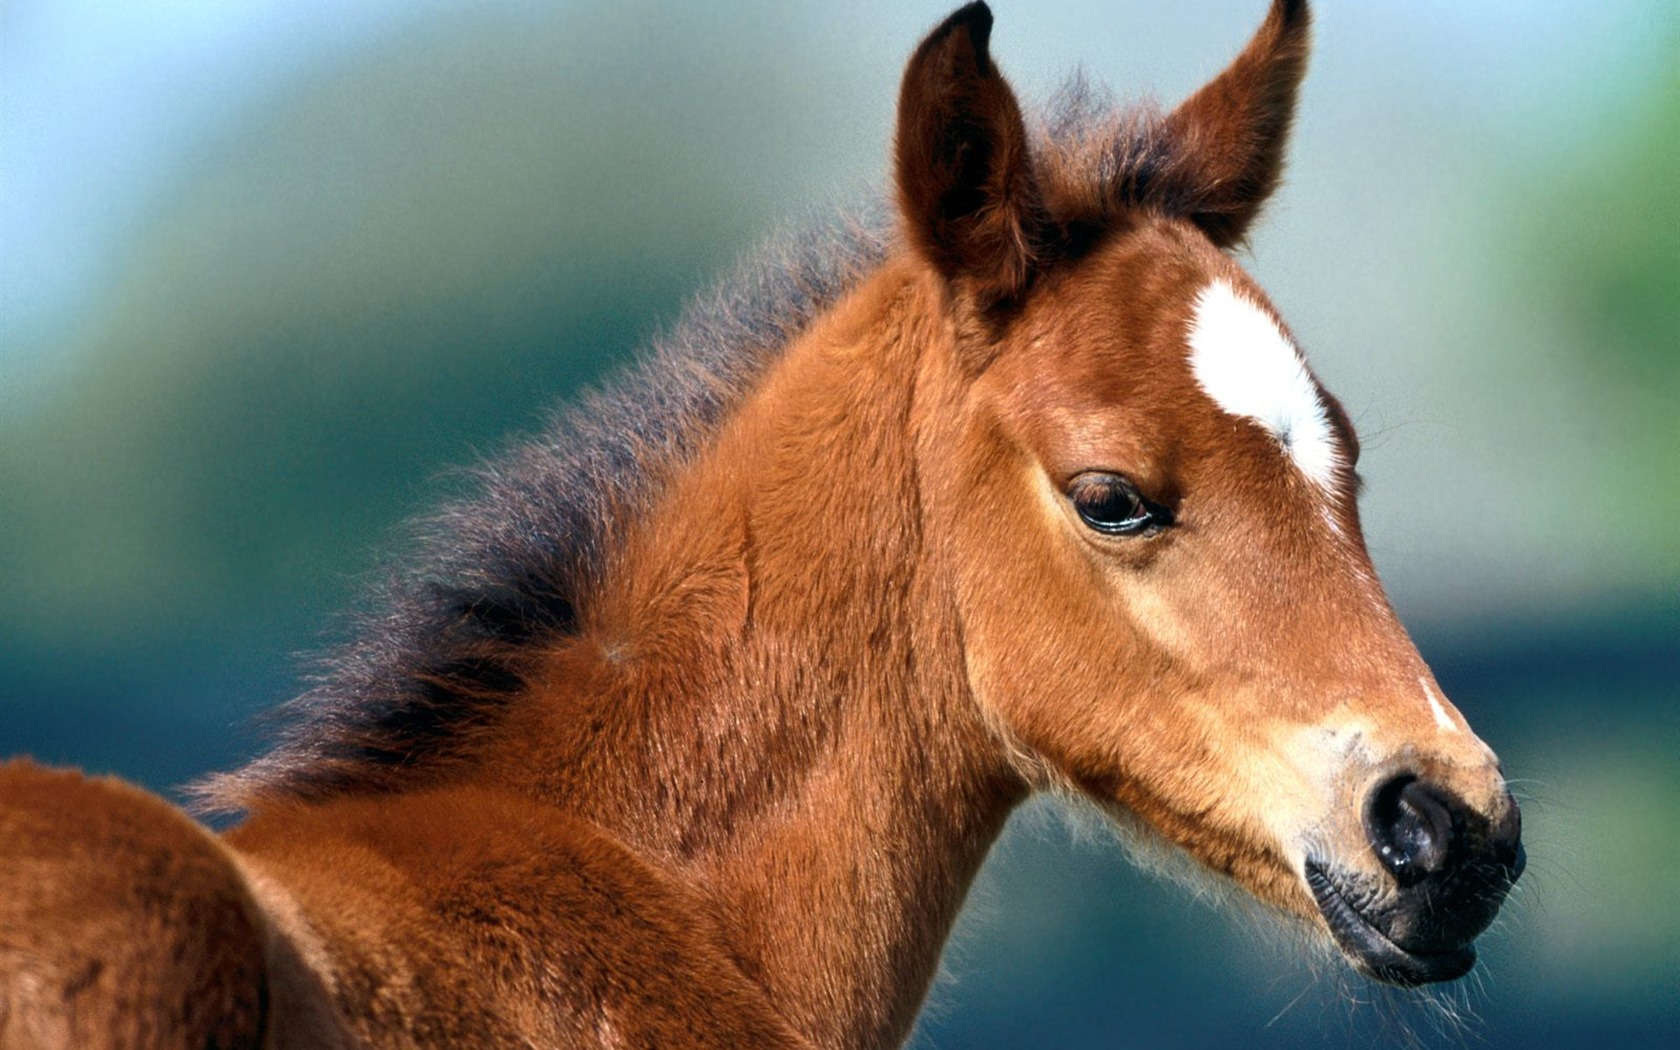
x: 1330, y: 520
x: 1249, y: 367
x: 1436, y: 705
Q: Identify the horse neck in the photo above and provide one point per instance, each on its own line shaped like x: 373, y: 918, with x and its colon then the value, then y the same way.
x: 769, y: 697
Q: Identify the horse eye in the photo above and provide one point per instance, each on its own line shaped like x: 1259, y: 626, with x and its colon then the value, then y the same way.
x: 1112, y: 505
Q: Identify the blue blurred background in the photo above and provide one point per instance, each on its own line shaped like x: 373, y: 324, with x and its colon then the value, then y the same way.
x: 270, y: 268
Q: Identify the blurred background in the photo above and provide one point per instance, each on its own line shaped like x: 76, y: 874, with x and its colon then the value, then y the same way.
x: 270, y: 268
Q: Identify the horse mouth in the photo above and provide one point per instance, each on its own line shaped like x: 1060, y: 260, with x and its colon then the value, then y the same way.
x: 1370, y: 949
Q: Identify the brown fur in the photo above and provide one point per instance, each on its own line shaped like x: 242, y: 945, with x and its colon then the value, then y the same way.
x: 122, y: 922
x: 728, y: 785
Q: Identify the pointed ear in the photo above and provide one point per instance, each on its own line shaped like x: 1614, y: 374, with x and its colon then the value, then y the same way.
x: 1232, y: 133
x: 965, y: 183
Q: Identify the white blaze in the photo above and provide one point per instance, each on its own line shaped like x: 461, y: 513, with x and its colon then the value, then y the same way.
x: 1442, y: 719
x: 1249, y: 367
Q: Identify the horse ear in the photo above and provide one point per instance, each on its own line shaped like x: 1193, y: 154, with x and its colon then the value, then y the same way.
x: 965, y: 181
x: 1232, y: 133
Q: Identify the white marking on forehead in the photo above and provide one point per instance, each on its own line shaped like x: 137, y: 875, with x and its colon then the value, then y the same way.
x: 1249, y: 367
x: 1436, y: 705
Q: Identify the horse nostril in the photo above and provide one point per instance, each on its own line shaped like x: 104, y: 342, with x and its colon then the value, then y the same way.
x: 1411, y: 826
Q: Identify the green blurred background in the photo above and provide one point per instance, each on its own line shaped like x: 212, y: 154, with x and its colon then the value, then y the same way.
x: 270, y: 268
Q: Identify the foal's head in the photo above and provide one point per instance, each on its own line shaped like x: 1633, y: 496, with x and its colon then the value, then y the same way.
x: 1166, y: 600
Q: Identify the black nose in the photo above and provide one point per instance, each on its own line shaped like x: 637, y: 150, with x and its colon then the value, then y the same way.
x: 1420, y: 831
x: 1415, y: 828
x: 1452, y: 867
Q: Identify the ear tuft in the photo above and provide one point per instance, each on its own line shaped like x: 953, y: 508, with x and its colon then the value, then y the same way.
x: 976, y: 17
x: 966, y: 190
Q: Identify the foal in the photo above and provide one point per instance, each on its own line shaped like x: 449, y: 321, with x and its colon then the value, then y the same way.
x: 694, y: 727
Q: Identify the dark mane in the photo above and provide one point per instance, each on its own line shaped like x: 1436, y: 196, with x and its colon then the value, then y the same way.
x: 444, y: 643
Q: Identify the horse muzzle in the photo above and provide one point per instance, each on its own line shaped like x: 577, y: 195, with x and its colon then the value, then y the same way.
x: 1444, y: 870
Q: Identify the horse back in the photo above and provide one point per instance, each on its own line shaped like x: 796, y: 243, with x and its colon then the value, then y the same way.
x: 122, y: 921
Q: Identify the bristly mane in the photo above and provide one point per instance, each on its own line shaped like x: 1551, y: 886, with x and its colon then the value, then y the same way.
x: 445, y: 641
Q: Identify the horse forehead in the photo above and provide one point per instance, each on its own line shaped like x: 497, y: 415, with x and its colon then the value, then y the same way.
x: 1242, y: 359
